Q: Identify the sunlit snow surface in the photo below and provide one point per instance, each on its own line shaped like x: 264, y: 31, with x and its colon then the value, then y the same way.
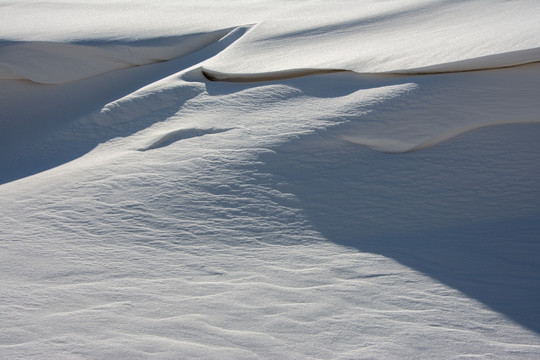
x: 347, y: 188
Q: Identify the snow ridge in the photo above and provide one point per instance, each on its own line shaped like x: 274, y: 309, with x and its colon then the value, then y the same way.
x: 180, y: 134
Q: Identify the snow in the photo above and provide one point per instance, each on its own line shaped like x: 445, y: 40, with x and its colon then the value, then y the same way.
x: 57, y: 63
x: 419, y: 36
x: 269, y: 180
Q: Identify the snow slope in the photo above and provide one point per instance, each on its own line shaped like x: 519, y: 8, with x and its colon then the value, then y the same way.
x: 347, y: 188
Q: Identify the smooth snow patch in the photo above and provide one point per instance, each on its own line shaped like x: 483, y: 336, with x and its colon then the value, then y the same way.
x: 57, y: 63
x: 413, y: 36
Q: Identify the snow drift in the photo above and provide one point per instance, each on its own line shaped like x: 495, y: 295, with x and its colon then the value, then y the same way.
x: 200, y: 180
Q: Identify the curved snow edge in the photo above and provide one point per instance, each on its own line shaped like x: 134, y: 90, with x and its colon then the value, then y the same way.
x: 58, y: 63
x: 498, y: 61
x: 391, y: 146
x: 266, y: 76
x: 489, y: 62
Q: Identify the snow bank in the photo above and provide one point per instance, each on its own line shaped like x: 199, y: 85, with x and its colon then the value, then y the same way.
x: 365, y: 37
x: 149, y: 211
x: 421, y: 36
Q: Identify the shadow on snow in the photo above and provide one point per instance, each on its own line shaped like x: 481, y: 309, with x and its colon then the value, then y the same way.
x: 465, y: 212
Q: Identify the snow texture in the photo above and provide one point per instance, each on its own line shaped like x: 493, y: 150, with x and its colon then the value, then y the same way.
x: 282, y: 180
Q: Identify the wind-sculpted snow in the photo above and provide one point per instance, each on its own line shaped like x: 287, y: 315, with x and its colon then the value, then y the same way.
x: 57, y: 63
x: 61, y: 123
x: 188, y: 186
x: 270, y: 76
x: 429, y: 36
x: 180, y: 134
x: 365, y: 37
x: 446, y: 105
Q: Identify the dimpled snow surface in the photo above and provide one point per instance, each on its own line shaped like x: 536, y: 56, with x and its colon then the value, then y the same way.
x: 270, y: 179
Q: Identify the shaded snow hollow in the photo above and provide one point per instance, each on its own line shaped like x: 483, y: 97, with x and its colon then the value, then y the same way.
x: 309, y: 180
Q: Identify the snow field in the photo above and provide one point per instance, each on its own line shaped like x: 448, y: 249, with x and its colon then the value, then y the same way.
x: 384, y: 210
